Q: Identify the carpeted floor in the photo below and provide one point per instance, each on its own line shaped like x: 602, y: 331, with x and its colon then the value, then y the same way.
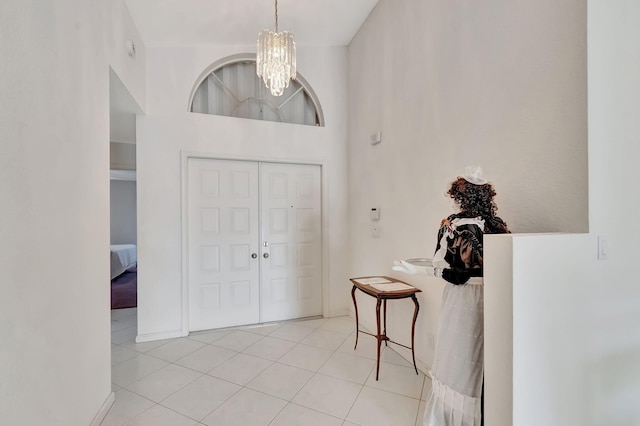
x: 124, y: 290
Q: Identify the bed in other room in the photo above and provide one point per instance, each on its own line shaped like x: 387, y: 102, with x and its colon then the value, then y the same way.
x: 123, y: 256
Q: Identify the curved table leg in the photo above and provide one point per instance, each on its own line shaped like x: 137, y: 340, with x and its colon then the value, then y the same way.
x: 355, y: 306
x: 384, y: 332
x: 413, y: 329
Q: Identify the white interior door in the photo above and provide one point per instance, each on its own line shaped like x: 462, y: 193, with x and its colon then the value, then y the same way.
x: 223, y: 235
x: 291, y: 281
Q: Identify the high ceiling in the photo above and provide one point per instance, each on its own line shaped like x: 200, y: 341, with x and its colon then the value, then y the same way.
x: 231, y: 22
x: 237, y: 22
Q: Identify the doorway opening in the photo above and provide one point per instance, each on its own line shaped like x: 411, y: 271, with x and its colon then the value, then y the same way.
x: 123, y: 194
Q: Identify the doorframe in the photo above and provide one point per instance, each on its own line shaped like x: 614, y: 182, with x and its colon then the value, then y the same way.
x: 184, y: 200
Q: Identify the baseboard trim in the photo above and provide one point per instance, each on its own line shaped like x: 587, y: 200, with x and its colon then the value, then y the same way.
x: 337, y: 313
x: 102, y: 412
x: 150, y: 337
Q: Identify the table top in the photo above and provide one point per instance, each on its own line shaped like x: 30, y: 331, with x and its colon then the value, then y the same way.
x: 374, y: 286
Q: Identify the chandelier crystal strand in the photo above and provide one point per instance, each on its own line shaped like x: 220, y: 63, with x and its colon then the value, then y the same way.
x: 276, y: 58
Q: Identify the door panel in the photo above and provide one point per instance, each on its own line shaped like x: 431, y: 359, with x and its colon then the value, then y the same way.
x: 233, y: 209
x: 222, y: 233
x: 291, y: 229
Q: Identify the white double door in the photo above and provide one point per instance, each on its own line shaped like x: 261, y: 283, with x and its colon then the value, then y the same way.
x: 254, y: 242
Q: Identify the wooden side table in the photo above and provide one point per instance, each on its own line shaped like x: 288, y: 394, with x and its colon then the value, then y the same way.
x: 375, y: 287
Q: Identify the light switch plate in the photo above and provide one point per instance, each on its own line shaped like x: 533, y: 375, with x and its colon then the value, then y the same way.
x: 603, y: 248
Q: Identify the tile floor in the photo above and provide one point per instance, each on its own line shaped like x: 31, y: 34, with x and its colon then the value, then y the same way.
x: 292, y: 373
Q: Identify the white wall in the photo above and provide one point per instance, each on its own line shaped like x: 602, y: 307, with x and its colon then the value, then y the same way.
x: 123, y: 155
x: 131, y: 70
x: 576, y: 344
x: 169, y: 132
x: 450, y: 84
x: 539, y: 315
x: 123, y: 212
x: 54, y: 184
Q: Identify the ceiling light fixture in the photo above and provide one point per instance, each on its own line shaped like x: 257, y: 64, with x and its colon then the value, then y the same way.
x: 276, y: 58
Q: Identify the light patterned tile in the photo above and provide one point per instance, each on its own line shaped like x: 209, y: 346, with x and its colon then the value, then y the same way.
x: 206, y: 358
x: 261, y: 329
x: 164, y: 382
x: 219, y: 396
x: 307, y: 357
x: 176, y: 349
x: 124, y: 335
x: 312, y: 323
x: 348, y: 367
x: 367, y: 346
x: 144, y: 347
x: 397, y: 379
x: 281, y: 381
x: 238, y: 340
x: 120, y: 354
x: 126, y: 406
x: 296, y: 415
x: 291, y: 332
x: 240, y: 369
x: 269, y: 348
x: 207, y: 336
x: 324, y: 339
x: 390, y: 356
x: 160, y: 416
x: 328, y: 395
x: 121, y: 325
x: 200, y: 397
x: 246, y: 407
x: 135, y: 368
x: 129, y: 315
x: 344, y: 325
x: 375, y: 407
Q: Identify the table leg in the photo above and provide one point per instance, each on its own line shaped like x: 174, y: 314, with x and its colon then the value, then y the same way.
x: 384, y: 333
x: 378, y: 336
x: 413, y: 329
x: 355, y: 306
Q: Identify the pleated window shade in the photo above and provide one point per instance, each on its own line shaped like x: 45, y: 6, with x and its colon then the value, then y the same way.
x: 234, y: 90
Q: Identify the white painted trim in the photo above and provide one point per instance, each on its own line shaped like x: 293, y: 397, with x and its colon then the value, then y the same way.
x: 104, y: 409
x: 164, y: 335
x: 338, y: 313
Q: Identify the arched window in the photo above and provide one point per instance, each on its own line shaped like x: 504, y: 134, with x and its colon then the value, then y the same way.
x: 230, y: 87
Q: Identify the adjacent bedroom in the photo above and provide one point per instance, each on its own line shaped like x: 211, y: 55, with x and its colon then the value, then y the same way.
x: 124, y: 256
x: 122, y: 159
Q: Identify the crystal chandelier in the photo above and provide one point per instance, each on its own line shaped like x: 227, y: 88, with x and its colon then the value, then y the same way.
x: 276, y: 58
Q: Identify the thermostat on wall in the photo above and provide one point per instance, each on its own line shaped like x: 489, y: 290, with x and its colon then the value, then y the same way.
x: 375, y: 213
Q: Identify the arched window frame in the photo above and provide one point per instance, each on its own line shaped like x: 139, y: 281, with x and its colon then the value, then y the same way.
x: 250, y: 57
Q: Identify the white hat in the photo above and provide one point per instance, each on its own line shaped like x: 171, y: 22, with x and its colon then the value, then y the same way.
x: 473, y: 174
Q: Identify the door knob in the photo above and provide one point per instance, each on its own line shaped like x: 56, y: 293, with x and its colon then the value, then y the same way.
x: 266, y: 255
x: 254, y: 255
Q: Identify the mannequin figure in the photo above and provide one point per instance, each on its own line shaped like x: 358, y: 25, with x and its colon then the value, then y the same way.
x: 458, y: 368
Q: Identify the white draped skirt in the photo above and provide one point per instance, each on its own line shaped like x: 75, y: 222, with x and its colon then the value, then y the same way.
x: 458, y: 368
